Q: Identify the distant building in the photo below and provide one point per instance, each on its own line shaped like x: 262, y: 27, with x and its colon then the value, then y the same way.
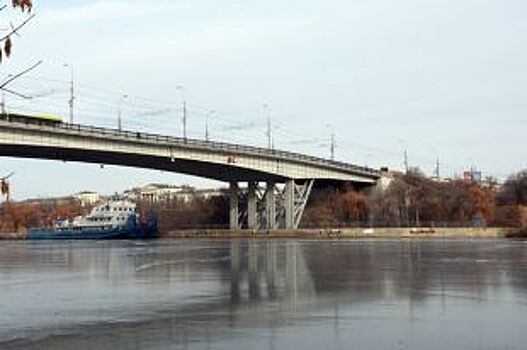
x: 211, y: 192
x: 472, y: 176
x: 387, y: 177
x: 155, y: 193
x: 87, y: 197
x: 49, y: 200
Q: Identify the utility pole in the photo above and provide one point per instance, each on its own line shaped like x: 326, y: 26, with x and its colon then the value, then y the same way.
x: 406, y: 167
x: 207, y: 136
x: 333, y: 145
x: 181, y: 89
x: 437, y: 168
x: 4, y: 109
x: 207, y: 129
x: 119, y: 112
x: 184, y: 120
x: 268, y: 133
x: 72, y: 92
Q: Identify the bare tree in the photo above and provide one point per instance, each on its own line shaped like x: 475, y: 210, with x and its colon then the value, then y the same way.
x: 514, y: 190
x: 6, y: 43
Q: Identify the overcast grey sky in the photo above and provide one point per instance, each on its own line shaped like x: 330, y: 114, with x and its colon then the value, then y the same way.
x: 439, y: 78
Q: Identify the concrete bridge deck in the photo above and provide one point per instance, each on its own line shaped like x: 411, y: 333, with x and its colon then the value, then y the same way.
x: 270, y: 207
x: 214, y: 160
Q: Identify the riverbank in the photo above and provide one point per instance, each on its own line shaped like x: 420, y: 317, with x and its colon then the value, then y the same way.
x: 12, y: 235
x: 345, y: 233
x: 340, y: 233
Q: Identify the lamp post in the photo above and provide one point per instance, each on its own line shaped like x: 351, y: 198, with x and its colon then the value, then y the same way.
x: 207, y: 115
x: 119, y: 113
x: 332, y: 144
x: 181, y: 89
x: 267, y: 115
x: 72, y: 91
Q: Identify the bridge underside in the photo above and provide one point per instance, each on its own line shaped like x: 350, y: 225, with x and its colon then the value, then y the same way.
x: 213, y: 171
x: 258, y: 199
x: 254, y: 207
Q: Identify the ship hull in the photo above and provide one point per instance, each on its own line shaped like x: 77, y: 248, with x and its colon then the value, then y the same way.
x: 93, y: 234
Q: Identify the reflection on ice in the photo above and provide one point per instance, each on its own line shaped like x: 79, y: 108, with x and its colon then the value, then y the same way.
x: 261, y: 294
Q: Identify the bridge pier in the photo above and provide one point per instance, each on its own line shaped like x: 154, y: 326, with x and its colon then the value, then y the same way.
x: 289, y: 204
x: 26, y: 137
x: 234, y: 206
x: 277, y: 207
x: 270, y: 206
x: 252, y: 206
x: 274, y: 209
x: 295, y: 201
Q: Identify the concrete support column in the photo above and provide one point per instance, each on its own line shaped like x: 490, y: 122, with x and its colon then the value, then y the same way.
x: 234, y: 213
x: 252, y: 218
x: 270, y: 206
x: 290, y: 204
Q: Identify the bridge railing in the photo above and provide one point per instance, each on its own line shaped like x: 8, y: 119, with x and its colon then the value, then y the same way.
x: 216, y: 146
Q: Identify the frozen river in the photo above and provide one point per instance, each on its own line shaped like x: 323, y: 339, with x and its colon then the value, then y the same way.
x: 168, y: 294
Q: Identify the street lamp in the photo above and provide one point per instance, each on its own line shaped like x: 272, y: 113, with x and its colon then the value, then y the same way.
x: 267, y: 115
x: 72, y: 91
x: 332, y: 142
x: 181, y: 89
x: 119, y: 113
x: 207, y: 115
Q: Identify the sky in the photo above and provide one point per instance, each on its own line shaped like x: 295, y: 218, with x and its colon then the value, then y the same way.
x: 441, y: 79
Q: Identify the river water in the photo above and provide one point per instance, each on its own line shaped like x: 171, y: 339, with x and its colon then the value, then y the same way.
x: 263, y: 295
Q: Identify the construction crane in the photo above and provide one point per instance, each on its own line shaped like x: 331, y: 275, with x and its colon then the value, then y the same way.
x: 5, y: 188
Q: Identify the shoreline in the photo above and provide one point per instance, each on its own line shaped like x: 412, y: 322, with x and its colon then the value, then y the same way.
x: 331, y: 233
x: 346, y: 233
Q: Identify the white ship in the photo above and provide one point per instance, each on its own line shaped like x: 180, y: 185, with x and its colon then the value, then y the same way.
x: 115, y: 219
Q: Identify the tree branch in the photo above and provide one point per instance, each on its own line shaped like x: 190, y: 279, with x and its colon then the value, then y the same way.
x: 16, y: 76
x: 17, y: 28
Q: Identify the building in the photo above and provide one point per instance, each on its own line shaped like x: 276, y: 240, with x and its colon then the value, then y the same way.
x: 87, y: 197
x: 472, y: 176
x: 207, y: 193
x: 155, y: 193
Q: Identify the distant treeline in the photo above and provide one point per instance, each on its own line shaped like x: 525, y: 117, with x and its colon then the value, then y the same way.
x: 196, y: 212
x: 410, y: 199
x: 17, y: 217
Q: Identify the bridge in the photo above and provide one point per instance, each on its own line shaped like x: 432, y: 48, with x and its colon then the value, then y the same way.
x: 278, y: 182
